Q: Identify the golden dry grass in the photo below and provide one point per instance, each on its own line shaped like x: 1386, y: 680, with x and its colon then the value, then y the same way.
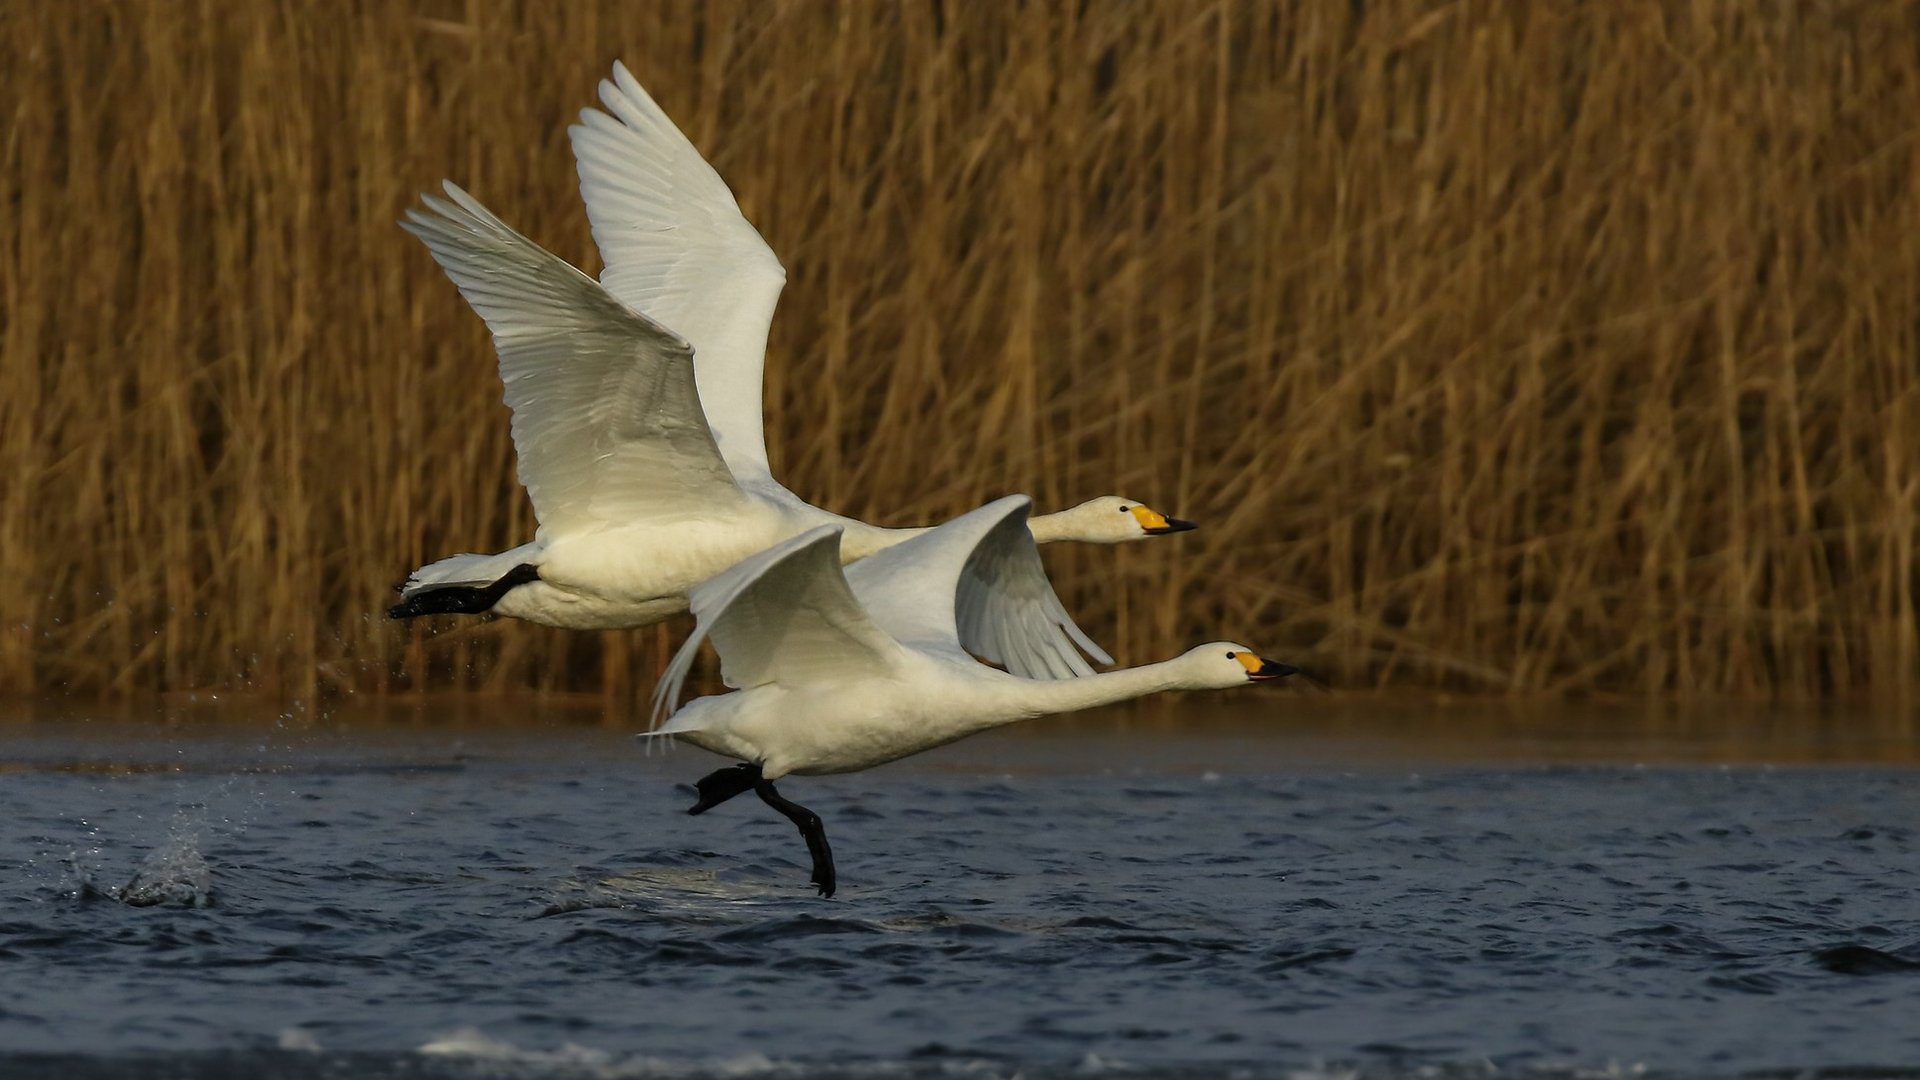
x: 1517, y: 347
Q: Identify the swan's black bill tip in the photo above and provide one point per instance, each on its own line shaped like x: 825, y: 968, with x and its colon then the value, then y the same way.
x: 1173, y: 525
x: 1269, y: 670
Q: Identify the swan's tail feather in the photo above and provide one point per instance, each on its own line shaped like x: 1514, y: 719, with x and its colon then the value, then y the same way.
x: 458, y: 599
x: 664, y: 739
x: 466, y: 570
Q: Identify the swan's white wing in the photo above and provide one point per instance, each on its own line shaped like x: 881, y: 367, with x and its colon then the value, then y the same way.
x: 606, y: 418
x: 678, y: 249
x: 976, y: 584
x: 785, y: 615
x: 1008, y: 613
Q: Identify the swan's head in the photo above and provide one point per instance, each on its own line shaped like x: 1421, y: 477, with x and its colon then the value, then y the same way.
x: 1111, y: 519
x: 1222, y: 664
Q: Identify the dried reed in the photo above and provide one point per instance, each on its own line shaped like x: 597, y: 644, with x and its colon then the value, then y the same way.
x: 1516, y: 347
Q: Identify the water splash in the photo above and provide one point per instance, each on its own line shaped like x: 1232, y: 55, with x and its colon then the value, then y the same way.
x: 175, y: 874
x: 77, y: 878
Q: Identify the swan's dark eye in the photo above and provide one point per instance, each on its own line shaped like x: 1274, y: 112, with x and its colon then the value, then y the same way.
x: 1231, y: 655
x: 1125, y: 509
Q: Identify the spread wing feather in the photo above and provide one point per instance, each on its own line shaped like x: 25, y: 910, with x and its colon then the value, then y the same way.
x: 678, y: 249
x: 976, y: 585
x: 785, y: 615
x: 606, y: 418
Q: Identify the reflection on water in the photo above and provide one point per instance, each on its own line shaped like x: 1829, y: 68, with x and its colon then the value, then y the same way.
x: 57, y: 733
x: 1314, y: 888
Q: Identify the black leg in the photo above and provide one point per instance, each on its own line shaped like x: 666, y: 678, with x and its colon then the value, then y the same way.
x: 722, y: 784
x: 810, y: 828
x: 463, y: 599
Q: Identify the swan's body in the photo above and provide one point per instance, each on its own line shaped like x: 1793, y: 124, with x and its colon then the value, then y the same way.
x: 637, y: 399
x: 838, y: 671
x: 631, y: 575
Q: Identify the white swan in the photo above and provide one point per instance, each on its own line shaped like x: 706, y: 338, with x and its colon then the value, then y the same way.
x: 838, y: 671
x: 642, y: 446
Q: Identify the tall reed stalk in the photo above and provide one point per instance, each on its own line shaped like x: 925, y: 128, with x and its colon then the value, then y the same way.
x: 1498, y: 346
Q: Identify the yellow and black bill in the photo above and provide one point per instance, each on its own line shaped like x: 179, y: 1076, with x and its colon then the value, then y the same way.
x: 1158, y: 524
x: 1260, y: 669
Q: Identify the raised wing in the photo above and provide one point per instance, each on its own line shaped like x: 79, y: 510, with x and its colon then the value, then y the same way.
x: 678, y: 249
x: 976, y: 584
x: 785, y: 615
x: 606, y: 417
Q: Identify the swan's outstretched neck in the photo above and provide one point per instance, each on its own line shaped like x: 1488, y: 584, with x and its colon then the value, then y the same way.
x: 1046, y: 697
x: 1050, y: 528
x: 859, y: 539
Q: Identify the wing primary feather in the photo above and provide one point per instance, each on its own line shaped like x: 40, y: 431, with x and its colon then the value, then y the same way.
x: 976, y: 585
x: 676, y: 246
x: 607, y: 420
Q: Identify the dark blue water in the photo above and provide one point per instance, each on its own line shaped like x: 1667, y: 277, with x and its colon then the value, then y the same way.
x: 445, y: 904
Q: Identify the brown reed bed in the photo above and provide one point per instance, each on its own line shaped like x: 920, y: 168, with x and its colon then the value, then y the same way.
x: 1525, y: 348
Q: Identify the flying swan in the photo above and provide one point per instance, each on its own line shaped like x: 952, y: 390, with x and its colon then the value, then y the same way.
x: 636, y: 400
x: 842, y: 670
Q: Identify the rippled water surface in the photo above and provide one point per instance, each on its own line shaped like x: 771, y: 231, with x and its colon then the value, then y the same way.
x: 444, y: 902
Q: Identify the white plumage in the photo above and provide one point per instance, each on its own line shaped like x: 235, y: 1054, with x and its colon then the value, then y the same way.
x: 637, y: 408
x: 836, y: 671
x: 677, y: 247
x: 637, y: 416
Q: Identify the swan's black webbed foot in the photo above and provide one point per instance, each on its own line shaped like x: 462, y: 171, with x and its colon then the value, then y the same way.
x: 463, y: 599
x: 722, y: 784
x: 810, y: 828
